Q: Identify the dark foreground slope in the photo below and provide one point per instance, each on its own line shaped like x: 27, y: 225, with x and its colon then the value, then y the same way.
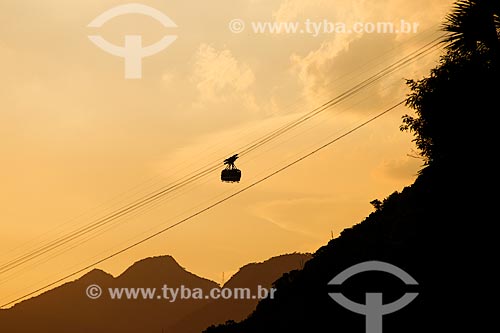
x: 426, y: 231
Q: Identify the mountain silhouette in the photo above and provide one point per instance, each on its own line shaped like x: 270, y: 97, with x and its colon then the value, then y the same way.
x: 415, y: 230
x: 249, y: 276
x: 68, y: 309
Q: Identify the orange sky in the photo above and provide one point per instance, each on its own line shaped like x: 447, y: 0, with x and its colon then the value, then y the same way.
x: 78, y: 140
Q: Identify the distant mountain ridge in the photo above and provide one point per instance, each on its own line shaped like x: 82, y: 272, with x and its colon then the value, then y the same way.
x: 68, y: 309
x: 249, y: 276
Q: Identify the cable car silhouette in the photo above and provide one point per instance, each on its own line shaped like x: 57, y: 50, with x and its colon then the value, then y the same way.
x: 230, y: 174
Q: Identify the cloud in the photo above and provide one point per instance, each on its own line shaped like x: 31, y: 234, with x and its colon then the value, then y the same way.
x: 343, y: 53
x: 404, y: 168
x: 362, y: 10
x: 337, y: 10
x: 313, y: 216
x: 290, y: 10
x: 218, y: 75
x: 315, y: 70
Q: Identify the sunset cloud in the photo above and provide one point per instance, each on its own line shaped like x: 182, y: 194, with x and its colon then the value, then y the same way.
x: 218, y: 75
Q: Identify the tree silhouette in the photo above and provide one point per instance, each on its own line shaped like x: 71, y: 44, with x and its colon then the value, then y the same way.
x: 377, y: 204
x: 454, y: 103
x: 474, y: 25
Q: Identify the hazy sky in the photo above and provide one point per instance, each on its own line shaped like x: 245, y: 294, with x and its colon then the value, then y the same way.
x: 78, y: 140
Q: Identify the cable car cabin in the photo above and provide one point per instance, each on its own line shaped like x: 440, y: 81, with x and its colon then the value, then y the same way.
x: 231, y: 174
